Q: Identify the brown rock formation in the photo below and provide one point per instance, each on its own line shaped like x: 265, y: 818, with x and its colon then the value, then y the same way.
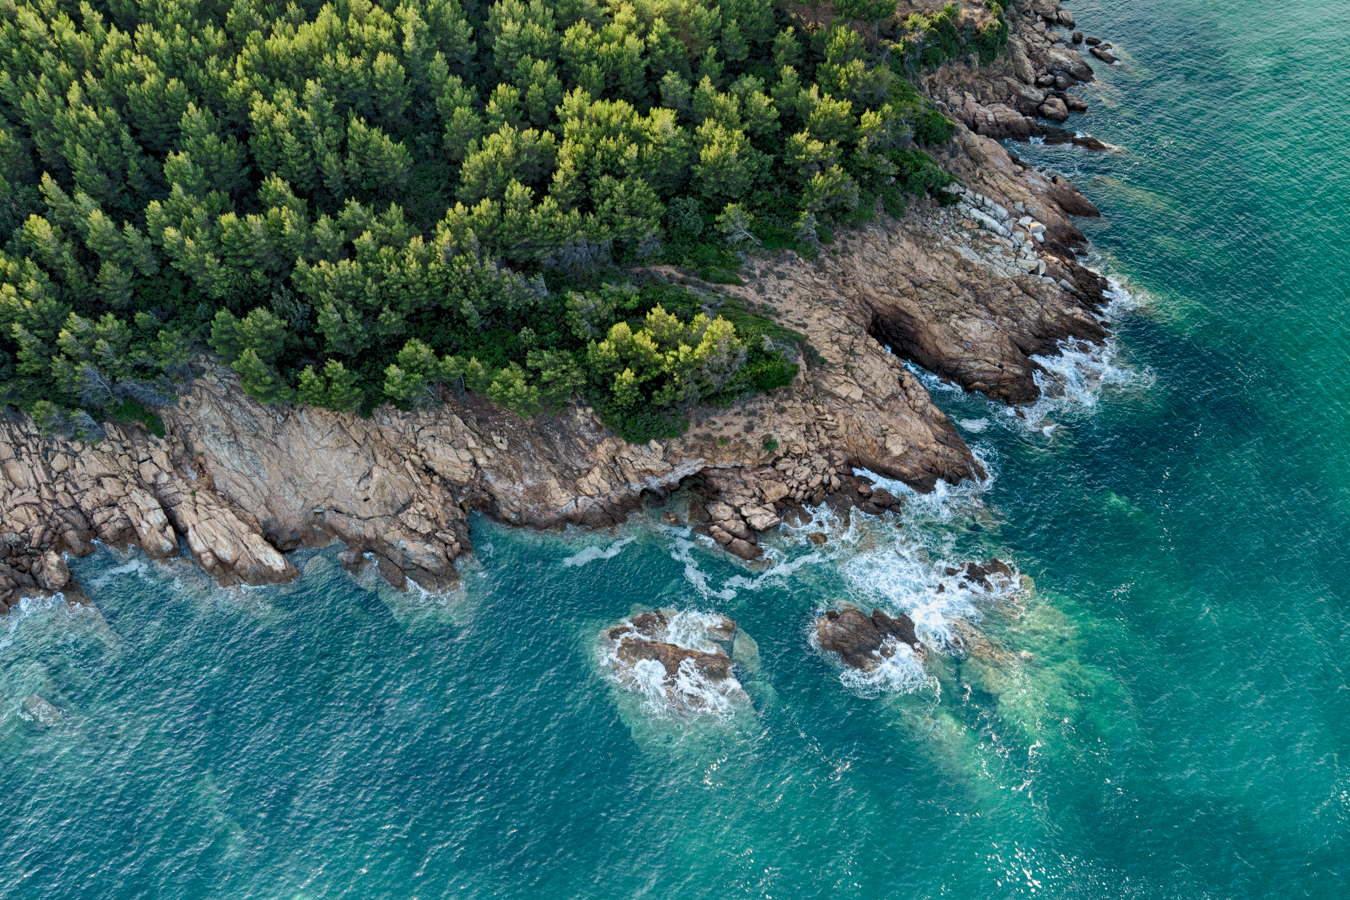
x: 859, y: 639
x: 982, y: 573
x: 1009, y: 97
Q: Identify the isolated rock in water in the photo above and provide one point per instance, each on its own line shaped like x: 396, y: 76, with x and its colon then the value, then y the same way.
x: 986, y: 575
x: 691, y: 650
x: 39, y: 710
x: 715, y: 666
x: 861, y: 641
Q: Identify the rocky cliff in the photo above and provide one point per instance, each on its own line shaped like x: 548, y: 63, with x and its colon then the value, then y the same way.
x: 970, y: 291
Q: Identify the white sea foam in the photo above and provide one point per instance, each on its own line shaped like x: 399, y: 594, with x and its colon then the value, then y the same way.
x: 696, y: 577
x: 134, y: 565
x: 904, y: 577
x: 1073, y: 379
x: 900, y: 673
x: 945, y: 501
x: 775, y: 574
x: 689, y: 628
x: 591, y: 554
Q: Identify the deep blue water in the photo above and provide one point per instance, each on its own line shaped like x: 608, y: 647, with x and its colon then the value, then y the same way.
x: 1161, y: 712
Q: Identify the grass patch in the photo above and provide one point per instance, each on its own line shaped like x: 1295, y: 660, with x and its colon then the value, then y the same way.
x: 129, y: 411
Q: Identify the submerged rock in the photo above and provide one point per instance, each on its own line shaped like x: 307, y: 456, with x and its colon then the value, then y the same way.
x: 861, y: 641
x: 38, y: 710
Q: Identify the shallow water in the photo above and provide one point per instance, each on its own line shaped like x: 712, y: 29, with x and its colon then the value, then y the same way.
x: 1159, y: 712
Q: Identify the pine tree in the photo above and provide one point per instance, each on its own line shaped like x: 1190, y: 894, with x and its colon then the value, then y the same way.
x: 334, y: 388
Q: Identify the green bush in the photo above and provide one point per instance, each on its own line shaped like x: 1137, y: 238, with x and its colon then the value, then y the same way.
x: 929, y: 40
x: 131, y: 411
x: 643, y: 425
x: 892, y: 201
x: 768, y: 374
x: 917, y: 173
x: 933, y: 128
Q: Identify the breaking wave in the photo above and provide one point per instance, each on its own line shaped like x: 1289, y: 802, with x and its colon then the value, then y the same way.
x: 918, y: 570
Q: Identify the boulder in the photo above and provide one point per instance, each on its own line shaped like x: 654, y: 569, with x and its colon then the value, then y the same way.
x: 885, y: 499
x: 744, y: 549
x: 1066, y: 61
x: 720, y: 512
x: 762, y: 519
x: 773, y: 491
x: 1055, y: 110
x: 1103, y: 53
x: 54, y: 575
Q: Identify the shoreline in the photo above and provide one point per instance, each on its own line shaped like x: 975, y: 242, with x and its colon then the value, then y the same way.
x: 947, y: 288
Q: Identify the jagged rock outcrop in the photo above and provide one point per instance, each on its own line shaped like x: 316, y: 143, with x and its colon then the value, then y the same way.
x: 862, y: 641
x: 1028, y: 84
x: 987, y: 575
x: 59, y: 496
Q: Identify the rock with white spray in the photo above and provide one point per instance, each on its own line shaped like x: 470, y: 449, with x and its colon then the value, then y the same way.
x: 682, y: 660
x: 861, y: 641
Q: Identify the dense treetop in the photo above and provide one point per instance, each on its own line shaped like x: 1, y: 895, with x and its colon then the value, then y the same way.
x: 355, y: 201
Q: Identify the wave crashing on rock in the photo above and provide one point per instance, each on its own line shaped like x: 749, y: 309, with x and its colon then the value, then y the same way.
x: 680, y: 661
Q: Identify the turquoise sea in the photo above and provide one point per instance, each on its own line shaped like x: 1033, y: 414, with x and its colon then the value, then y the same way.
x: 1161, y: 711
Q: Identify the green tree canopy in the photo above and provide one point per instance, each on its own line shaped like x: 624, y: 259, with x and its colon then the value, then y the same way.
x: 355, y: 201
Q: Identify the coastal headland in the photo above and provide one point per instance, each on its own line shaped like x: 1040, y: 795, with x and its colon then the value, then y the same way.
x: 970, y: 291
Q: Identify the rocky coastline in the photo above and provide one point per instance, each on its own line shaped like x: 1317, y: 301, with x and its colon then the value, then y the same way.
x: 970, y: 291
